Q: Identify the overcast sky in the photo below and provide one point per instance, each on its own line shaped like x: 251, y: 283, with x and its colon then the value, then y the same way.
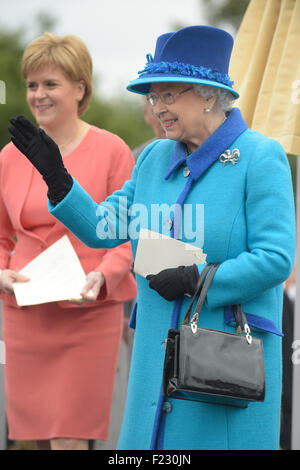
x: 118, y: 33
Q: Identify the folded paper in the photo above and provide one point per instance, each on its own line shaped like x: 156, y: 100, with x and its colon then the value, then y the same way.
x: 156, y: 252
x: 56, y: 274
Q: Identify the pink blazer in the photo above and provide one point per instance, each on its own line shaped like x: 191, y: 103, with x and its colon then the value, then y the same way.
x: 101, y: 163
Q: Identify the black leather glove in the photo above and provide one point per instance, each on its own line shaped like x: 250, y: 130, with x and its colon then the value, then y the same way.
x: 175, y: 282
x: 44, y: 154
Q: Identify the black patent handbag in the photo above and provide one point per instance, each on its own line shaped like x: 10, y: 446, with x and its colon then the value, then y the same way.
x: 213, y: 366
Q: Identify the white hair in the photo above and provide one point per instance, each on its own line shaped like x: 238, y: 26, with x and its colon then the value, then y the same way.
x: 223, y: 97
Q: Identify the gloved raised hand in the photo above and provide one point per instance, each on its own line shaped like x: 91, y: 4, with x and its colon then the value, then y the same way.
x: 175, y: 282
x: 44, y: 154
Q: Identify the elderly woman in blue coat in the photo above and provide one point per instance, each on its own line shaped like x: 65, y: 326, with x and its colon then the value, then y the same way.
x: 241, y: 180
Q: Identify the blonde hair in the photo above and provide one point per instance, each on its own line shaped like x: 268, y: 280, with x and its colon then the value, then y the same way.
x: 68, y: 53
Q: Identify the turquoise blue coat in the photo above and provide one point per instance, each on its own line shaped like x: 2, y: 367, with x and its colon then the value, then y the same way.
x: 247, y: 223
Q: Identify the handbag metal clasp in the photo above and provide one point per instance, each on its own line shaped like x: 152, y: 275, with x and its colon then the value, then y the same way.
x: 247, y: 333
x: 194, y: 322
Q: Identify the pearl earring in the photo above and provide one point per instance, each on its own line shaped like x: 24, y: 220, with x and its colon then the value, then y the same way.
x: 207, y: 110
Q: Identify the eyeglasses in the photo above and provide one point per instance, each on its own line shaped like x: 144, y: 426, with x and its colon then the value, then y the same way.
x: 167, y: 97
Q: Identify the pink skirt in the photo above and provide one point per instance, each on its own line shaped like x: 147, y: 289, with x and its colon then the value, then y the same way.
x: 60, y: 370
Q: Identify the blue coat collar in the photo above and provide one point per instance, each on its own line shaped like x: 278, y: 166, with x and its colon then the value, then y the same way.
x: 203, y: 157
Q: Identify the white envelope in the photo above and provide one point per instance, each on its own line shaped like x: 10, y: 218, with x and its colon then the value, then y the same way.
x: 56, y: 274
x: 156, y: 252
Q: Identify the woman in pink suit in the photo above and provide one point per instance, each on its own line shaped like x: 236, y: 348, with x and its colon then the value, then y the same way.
x: 61, y: 358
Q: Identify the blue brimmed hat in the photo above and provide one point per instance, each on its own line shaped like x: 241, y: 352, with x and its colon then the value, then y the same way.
x: 196, y: 54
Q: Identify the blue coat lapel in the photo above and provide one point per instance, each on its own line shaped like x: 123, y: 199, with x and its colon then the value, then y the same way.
x: 205, y: 155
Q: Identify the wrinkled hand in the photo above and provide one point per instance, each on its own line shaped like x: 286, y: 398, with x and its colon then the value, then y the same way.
x: 173, y: 283
x: 8, y: 277
x: 36, y: 145
x: 91, y: 290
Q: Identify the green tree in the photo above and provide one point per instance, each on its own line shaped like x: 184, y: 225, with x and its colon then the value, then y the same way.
x: 11, y: 51
x: 120, y: 116
x: 219, y: 12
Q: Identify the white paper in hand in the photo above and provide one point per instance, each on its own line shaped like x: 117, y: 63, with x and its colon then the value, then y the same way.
x: 56, y: 274
x: 156, y: 252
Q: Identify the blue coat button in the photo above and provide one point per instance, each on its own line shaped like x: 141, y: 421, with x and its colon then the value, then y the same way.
x: 167, y: 407
x: 186, y: 171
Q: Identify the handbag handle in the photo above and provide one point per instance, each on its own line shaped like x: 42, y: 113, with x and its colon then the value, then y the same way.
x: 204, y: 291
x: 198, y: 289
x: 238, y: 311
x: 240, y: 318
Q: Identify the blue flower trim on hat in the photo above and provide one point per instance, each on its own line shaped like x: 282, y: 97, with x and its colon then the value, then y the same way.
x: 186, y: 70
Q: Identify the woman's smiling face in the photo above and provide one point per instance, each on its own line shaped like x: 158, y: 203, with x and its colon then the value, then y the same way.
x: 185, y: 119
x: 52, y: 97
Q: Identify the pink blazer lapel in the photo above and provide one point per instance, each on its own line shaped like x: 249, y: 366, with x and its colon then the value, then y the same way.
x: 19, y: 182
x: 23, y: 180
